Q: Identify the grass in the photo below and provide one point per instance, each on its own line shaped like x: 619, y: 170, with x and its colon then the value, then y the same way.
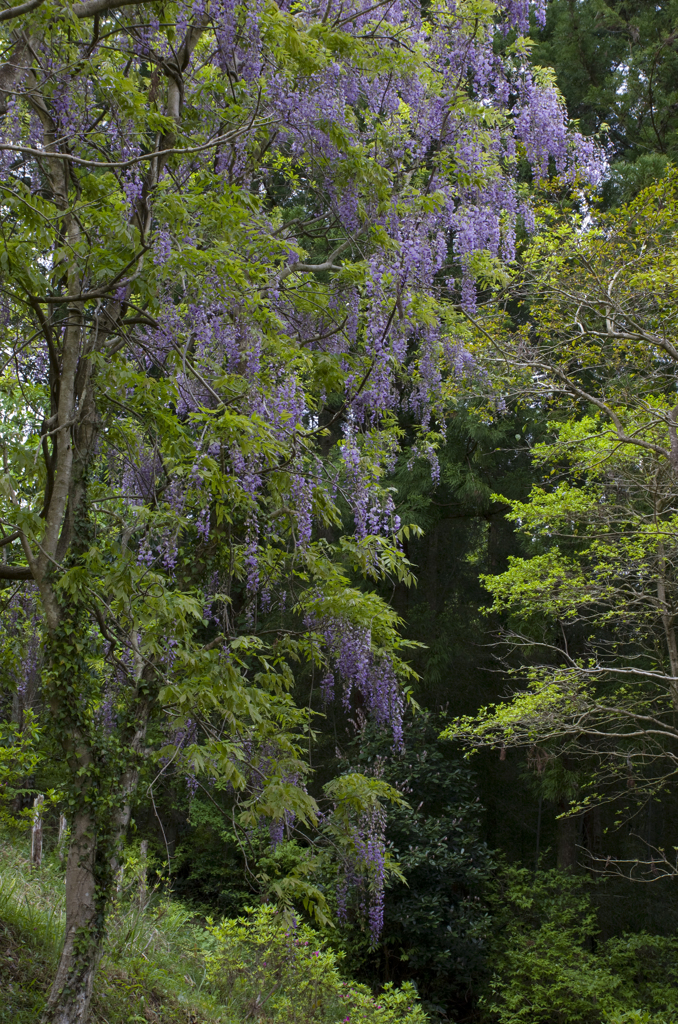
x: 153, y: 968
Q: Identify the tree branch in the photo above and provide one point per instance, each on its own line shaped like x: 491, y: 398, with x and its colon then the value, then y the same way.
x: 15, y: 572
x: 122, y: 164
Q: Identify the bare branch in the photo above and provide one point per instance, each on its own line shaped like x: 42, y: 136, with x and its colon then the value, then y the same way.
x: 16, y: 12
x: 15, y: 572
x: 122, y: 164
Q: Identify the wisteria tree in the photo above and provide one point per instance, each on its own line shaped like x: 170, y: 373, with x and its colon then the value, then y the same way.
x: 237, y: 241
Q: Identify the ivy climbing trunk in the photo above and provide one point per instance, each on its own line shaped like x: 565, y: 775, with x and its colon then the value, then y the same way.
x: 103, y: 768
x: 71, y: 993
x: 67, y: 684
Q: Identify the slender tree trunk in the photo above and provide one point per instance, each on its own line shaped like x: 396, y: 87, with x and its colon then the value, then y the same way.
x: 669, y: 626
x: 143, y: 875
x: 36, y: 834
x: 71, y: 993
x: 567, y: 839
x: 26, y: 697
x: 61, y: 841
x: 432, y: 566
x: 593, y: 835
x: 536, y: 852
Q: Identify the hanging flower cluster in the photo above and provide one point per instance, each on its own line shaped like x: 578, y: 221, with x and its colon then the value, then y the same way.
x: 368, y: 676
x: 361, y: 879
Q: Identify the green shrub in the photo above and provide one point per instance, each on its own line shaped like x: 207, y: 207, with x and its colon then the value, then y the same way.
x: 549, y: 968
x: 435, y: 920
x: 264, y: 968
x: 647, y: 969
x: 632, y: 1017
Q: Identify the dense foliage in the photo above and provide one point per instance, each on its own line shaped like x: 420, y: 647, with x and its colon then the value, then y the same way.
x: 338, y: 412
x: 549, y: 966
x: 435, y: 920
x: 263, y: 966
x: 616, y: 64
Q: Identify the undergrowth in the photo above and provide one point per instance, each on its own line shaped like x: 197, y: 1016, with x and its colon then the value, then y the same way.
x: 153, y: 968
x: 160, y: 966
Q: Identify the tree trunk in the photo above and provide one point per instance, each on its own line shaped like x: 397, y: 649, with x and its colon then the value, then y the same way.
x: 104, y: 792
x: 669, y: 626
x: 36, y: 833
x: 26, y: 697
x: 567, y: 839
x: 61, y: 841
x: 143, y: 874
x: 432, y: 566
x: 71, y: 993
x: 593, y: 834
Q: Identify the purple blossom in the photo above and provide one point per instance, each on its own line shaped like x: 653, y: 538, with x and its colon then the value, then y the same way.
x: 162, y: 247
x: 372, y: 676
x: 361, y: 877
x: 203, y: 525
x: 301, y: 493
x: 237, y: 337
